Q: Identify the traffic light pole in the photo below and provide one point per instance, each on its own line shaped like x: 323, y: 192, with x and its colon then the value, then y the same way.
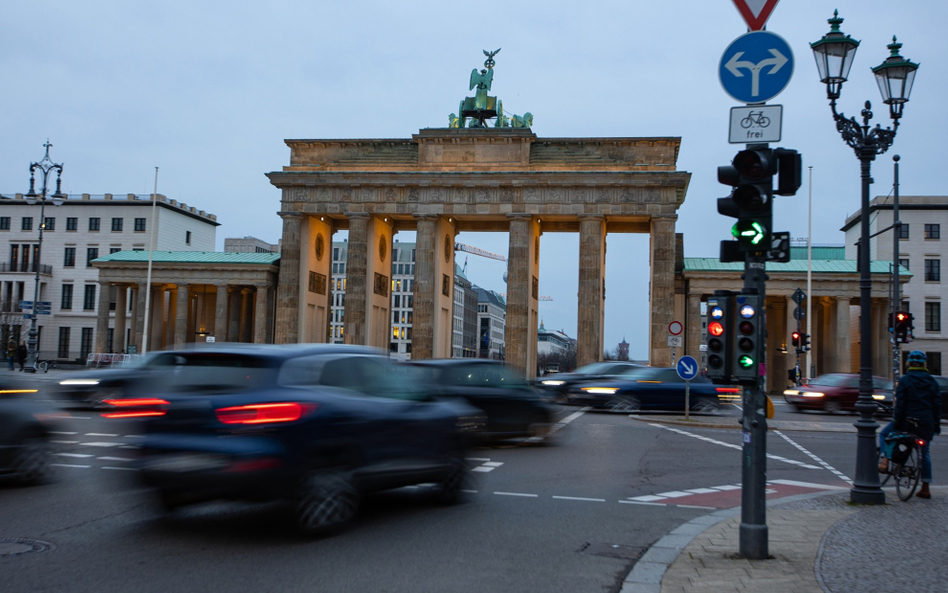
x: 753, y: 531
x: 896, y: 299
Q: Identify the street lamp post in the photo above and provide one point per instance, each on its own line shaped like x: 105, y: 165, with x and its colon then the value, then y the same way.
x: 834, y: 55
x: 45, y: 167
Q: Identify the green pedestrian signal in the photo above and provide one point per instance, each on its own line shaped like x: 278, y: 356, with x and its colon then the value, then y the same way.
x: 746, y: 361
x: 749, y: 232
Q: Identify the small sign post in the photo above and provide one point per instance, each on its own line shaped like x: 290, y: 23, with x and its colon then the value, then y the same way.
x: 687, y: 368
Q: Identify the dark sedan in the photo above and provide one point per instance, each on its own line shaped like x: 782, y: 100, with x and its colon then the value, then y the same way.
x: 317, y: 425
x: 511, y: 406
x: 943, y: 388
x: 836, y: 392
x: 91, y: 387
x: 559, y: 384
x: 651, y: 389
x: 25, y: 428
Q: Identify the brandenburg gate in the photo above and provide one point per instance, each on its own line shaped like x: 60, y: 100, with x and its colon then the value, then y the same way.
x: 471, y: 177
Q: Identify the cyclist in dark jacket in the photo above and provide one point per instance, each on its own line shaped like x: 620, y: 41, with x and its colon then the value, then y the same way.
x: 919, y: 398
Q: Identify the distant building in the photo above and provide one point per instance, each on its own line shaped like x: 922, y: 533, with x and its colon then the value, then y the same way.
x: 464, y: 341
x: 623, y: 349
x: 553, y: 342
x: 250, y: 245
x: 491, y: 322
x: 85, y: 227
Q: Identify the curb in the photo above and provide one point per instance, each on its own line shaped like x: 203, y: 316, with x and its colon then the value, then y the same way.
x: 816, y: 426
x: 649, y: 570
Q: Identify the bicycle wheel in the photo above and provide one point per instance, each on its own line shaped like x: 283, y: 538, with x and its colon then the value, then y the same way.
x: 883, y: 478
x: 907, y: 479
x: 43, y: 366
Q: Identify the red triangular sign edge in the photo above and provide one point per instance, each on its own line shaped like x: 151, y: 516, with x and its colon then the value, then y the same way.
x: 755, y: 23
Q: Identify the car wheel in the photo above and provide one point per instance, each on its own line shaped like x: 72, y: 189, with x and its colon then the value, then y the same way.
x: 456, y: 478
x: 705, y: 406
x: 831, y: 406
x: 31, y: 460
x: 327, y: 501
x: 625, y: 404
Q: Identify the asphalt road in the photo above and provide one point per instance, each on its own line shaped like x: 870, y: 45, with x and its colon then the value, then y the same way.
x: 568, y: 517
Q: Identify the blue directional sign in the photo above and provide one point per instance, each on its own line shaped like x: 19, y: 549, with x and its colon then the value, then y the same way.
x: 756, y: 67
x: 687, y: 367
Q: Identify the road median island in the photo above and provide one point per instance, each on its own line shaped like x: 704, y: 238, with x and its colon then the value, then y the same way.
x: 732, y: 422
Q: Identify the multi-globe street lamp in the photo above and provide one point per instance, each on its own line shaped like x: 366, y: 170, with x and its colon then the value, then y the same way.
x: 834, y: 55
x: 45, y: 167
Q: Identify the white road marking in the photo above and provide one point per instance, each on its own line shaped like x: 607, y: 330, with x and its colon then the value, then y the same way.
x: 70, y: 465
x: 478, y: 458
x: 650, y: 504
x: 725, y: 488
x: 825, y: 465
x: 64, y: 442
x: 494, y: 463
x: 101, y: 444
x: 470, y: 491
x: 115, y: 459
x: 730, y: 446
x: 59, y: 432
x: 702, y: 491
x: 580, y: 498
x: 482, y: 469
x: 516, y: 494
x: 559, y: 425
x: 128, y: 469
x: 647, y: 498
x: 134, y: 436
x: 674, y: 494
x: 693, y: 506
x: 81, y: 455
x: 100, y: 434
x: 806, y: 484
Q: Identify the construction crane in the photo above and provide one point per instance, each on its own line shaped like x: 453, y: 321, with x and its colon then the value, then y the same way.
x: 540, y: 298
x: 480, y: 252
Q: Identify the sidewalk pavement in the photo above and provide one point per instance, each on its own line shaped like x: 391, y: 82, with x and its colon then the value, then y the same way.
x: 817, y: 543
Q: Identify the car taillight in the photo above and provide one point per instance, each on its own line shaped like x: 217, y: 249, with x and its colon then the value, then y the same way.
x: 142, y: 407
x: 262, y: 413
x: 728, y: 389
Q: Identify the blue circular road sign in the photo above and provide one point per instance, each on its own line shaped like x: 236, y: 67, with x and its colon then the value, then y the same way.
x: 687, y: 367
x: 756, y: 67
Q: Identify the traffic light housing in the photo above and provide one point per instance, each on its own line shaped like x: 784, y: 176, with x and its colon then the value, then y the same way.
x: 902, y: 325
x: 805, y: 342
x: 751, y: 201
x: 789, y: 171
x: 795, y: 340
x: 748, y: 337
x: 719, y: 338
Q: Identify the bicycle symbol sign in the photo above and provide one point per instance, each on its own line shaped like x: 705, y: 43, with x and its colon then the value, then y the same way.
x: 759, y: 123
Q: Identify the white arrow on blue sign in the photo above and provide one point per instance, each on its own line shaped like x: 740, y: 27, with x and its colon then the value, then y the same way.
x: 756, y: 67
x: 687, y: 367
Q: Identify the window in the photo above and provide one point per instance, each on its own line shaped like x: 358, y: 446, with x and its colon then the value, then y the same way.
x: 187, y: 237
x: 27, y: 224
x: 117, y: 224
x: 139, y: 224
x: 335, y: 254
x: 67, y: 297
x: 91, y: 254
x: 69, y: 258
x: 72, y: 224
x: 904, y: 231
x: 933, y: 231
x: 904, y: 263
x: 114, y: 250
x: 63, y: 342
x: 94, y: 224
x: 14, y: 257
x: 85, y: 343
x: 934, y: 366
x: 4, y: 223
x: 49, y: 224
x: 933, y: 317
x: 932, y: 270
x: 88, y: 299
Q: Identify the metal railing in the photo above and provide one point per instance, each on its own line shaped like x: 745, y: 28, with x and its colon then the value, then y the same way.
x: 45, y: 269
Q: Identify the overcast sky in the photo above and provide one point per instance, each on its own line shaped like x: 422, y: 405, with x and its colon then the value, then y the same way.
x: 208, y: 91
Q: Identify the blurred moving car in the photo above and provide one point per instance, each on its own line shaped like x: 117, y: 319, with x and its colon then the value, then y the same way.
x: 556, y: 386
x: 835, y: 392
x: 511, y: 406
x: 90, y: 388
x: 943, y: 387
x: 25, y: 427
x: 317, y: 424
x: 651, y: 389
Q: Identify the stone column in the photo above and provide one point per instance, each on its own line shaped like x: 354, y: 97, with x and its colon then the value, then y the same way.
x: 843, y: 346
x: 791, y: 326
x: 523, y: 257
x: 139, y: 315
x: 133, y: 322
x: 881, y: 348
x: 356, y: 289
x: 220, y: 314
x: 288, y: 290
x: 121, y: 310
x: 157, y: 329
x: 245, y: 313
x: 828, y: 335
x: 102, y: 319
x: 422, y: 339
x: 260, y: 314
x: 181, y: 317
x: 662, y: 297
x: 315, y: 280
x: 592, y: 288
x: 693, y: 326
x: 171, y: 325
x: 776, y: 360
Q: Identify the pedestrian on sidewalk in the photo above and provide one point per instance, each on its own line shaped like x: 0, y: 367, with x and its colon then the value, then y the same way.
x: 917, y: 398
x: 11, y: 353
x: 21, y: 353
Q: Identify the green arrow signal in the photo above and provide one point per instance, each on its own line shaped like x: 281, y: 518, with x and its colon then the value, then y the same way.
x: 746, y: 361
x: 749, y: 231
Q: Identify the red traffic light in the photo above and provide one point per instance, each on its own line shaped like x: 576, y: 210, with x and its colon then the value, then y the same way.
x: 715, y: 328
x: 901, y: 316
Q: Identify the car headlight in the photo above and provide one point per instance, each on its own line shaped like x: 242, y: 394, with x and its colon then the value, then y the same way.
x: 792, y: 392
x: 553, y: 383
x: 812, y: 393
x: 877, y: 396
x: 601, y: 390
x: 79, y: 382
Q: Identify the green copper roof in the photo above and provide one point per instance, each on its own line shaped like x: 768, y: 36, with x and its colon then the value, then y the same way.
x: 820, y: 266
x: 819, y: 252
x: 192, y: 257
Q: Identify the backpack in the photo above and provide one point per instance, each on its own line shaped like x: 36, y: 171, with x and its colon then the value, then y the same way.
x: 898, y: 445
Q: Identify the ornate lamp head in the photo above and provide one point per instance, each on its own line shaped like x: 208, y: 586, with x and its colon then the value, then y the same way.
x: 895, y: 77
x: 834, y: 54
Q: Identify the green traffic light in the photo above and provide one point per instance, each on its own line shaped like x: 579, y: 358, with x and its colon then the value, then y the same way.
x: 749, y: 231
x: 746, y: 361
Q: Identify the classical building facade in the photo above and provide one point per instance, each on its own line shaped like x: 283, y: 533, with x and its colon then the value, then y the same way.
x: 85, y: 227
x: 442, y: 181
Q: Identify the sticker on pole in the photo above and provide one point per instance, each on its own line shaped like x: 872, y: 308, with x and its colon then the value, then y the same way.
x: 687, y: 367
x: 756, y: 67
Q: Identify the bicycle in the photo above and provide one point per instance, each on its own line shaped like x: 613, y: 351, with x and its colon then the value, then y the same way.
x: 44, y: 365
x: 903, y: 452
x: 757, y: 118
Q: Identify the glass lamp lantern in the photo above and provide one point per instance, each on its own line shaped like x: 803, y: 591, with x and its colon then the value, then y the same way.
x: 895, y: 77
x: 834, y: 55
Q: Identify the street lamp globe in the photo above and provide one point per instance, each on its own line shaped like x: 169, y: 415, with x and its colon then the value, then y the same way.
x: 834, y: 54
x: 895, y: 77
